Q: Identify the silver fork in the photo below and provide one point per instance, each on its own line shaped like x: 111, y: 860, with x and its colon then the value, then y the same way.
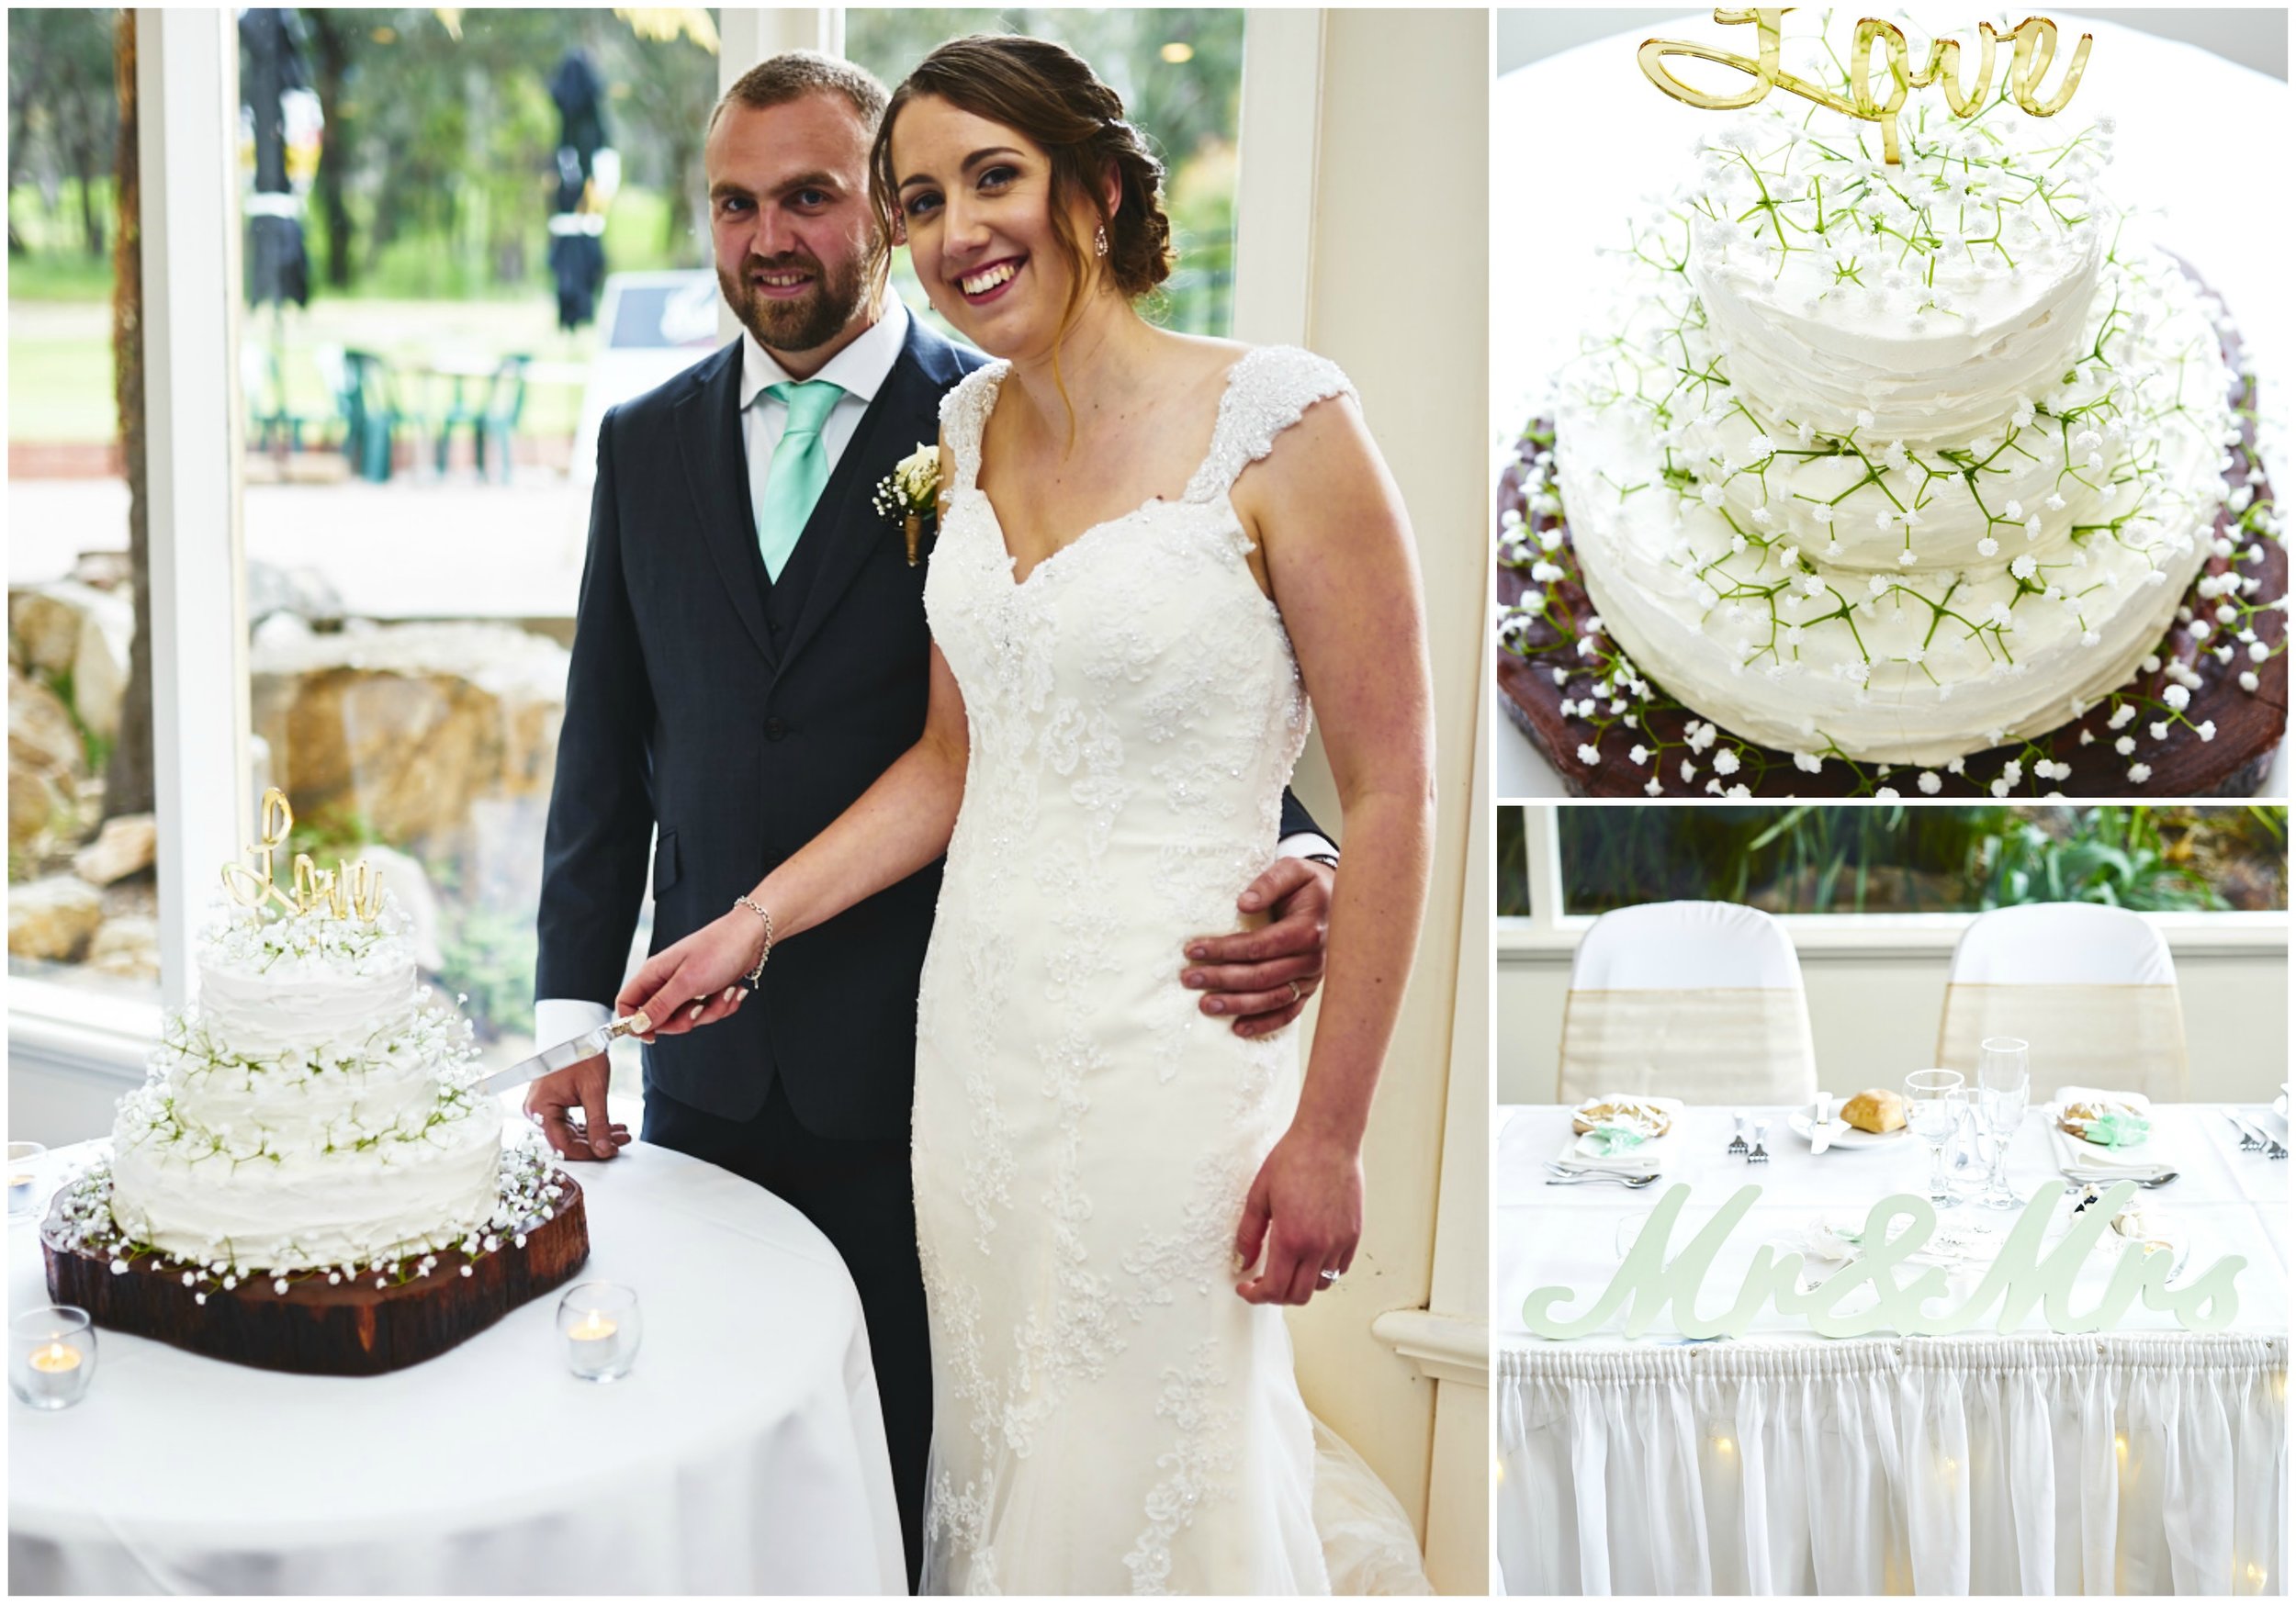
x: 1761, y: 1155
x: 2249, y: 1141
x: 1738, y: 1133
x: 2267, y: 1144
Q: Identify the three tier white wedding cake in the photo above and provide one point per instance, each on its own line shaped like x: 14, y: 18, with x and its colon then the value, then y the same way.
x: 1881, y: 466
x: 312, y: 1177
x: 311, y: 1109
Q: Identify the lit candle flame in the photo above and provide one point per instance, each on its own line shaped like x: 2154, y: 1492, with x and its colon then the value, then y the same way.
x: 55, y: 1359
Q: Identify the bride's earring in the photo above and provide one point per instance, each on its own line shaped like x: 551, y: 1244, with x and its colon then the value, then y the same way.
x: 1101, y: 241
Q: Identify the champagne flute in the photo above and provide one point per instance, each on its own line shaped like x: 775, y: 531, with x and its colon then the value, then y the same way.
x: 1934, y: 1103
x: 2003, y: 1086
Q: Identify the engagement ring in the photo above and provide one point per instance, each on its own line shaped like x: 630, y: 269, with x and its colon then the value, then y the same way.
x: 1295, y: 990
x: 1327, y: 1276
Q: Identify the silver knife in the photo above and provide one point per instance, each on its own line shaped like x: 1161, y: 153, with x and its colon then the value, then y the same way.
x: 1820, y: 1135
x: 566, y: 1054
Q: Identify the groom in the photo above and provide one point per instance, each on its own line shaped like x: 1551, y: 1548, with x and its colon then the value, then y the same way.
x: 751, y: 652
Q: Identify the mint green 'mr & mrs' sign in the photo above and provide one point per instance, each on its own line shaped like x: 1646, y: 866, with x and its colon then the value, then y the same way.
x: 2021, y: 1277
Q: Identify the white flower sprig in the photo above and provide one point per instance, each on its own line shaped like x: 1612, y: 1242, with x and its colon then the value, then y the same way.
x: 530, y: 1189
x: 910, y: 494
x: 264, y: 941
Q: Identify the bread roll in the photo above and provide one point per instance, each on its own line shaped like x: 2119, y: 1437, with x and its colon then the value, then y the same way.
x: 1877, y: 1110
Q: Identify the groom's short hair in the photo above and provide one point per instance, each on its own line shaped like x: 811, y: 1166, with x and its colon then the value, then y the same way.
x: 793, y: 74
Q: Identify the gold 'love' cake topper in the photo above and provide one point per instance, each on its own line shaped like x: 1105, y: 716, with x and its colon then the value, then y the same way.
x: 356, y: 891
x: 2036, y: 47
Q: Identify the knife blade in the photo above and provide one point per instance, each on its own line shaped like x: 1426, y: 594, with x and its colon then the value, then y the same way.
x: 566, y: 1054
x: 1820, y: 1133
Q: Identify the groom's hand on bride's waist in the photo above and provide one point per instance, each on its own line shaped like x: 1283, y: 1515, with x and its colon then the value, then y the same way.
x: 554, y: 1100
x: 1263, y: 978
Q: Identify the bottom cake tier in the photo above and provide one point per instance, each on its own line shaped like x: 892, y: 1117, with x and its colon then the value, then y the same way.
x: 318, y: 1322
x: 2202, y: 718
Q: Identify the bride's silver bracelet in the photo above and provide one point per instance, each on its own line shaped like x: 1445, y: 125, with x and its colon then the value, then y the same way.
x: 749, y: 980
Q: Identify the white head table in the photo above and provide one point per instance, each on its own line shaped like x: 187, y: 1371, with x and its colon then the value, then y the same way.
x: 2147, y: 1460
x: 745, y: 1453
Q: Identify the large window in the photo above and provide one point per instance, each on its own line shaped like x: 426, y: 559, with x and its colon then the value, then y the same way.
x: 83, y: 896
x: 1876, y: 859
x: 465, y: 232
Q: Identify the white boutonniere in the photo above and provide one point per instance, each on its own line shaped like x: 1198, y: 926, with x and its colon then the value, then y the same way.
x: 910, y: 495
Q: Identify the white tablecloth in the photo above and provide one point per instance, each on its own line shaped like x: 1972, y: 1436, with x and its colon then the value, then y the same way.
x: 744, y: 1453
x: 1578, y: 139
x: 2153, y: 1460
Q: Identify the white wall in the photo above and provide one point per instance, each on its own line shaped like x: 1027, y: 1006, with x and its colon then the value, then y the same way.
x: 1398, y: 292
x: 1876, y: 1018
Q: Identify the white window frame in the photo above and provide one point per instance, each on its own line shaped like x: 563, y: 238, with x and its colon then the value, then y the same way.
x: 1546, y: 930
x: 188, y: 146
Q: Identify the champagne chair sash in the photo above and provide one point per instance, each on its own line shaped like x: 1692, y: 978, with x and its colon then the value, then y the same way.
x: 2115, y: 1038
x: 1700, y: 1001
x: 1708, y: 1045
x: 2092, y: 989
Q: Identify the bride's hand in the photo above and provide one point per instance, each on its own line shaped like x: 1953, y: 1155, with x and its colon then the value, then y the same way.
x: 695, y: 981
x: 1306, y: 1206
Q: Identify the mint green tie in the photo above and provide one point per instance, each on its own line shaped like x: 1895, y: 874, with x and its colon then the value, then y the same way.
x: 799, y: 468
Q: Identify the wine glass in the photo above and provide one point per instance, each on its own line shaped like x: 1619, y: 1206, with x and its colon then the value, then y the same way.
x: 2004, y: 1085
x: 1935, y: 1100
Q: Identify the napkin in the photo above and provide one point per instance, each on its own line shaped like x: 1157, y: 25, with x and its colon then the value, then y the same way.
x: 2114, y: 1163
x: 1620, y: 1151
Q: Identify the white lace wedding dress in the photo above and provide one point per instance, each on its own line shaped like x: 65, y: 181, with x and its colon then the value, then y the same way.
x: 1109, y: 1416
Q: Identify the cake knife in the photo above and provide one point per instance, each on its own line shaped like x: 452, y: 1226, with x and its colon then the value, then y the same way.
x: 566, y: 1054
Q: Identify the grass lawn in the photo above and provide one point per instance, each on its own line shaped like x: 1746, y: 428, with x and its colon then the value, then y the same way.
x: 59, y: 362
x: 60, y: 357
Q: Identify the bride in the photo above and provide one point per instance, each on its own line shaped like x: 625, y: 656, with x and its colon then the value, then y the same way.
x: 1154, y: 549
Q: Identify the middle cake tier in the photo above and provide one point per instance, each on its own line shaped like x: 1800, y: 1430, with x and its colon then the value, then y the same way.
x: 1847, y: 593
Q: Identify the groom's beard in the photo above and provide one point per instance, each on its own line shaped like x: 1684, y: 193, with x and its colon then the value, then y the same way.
x: 812, y: 319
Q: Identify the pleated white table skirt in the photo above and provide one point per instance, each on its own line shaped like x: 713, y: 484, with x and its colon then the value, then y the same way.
x: 2148, y: 1461
x: 745, y: 1453
x: 2032, y: 1465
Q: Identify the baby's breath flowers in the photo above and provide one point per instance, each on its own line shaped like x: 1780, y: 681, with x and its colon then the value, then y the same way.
x: 910, y: 495
x: 532, y: 1189
x: 262, y: 940
x: 1621, y: 715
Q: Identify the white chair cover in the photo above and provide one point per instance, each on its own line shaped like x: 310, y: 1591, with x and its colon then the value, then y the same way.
x: 1701, y: 1001
x: 2091, y: 989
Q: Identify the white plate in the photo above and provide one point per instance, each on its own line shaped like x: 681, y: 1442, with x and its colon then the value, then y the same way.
x: 1848, y: 1135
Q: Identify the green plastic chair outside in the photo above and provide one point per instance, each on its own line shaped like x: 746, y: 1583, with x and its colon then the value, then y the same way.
x: 371, y: 414
x: 492, y: 420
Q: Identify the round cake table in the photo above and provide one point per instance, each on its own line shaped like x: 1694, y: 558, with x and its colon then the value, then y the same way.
x: 744, y: 1453
x: 1580, y: 138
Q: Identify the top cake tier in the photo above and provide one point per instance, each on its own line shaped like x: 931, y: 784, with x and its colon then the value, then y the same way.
x: 284, y: 986
x: 1917, y: 302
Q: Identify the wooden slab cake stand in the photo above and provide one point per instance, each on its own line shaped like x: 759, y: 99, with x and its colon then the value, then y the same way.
x: 2249, y: 725
x: 353, y: 1328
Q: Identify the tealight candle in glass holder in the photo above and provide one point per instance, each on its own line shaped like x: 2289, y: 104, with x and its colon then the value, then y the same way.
x: 51, y: 1356
x: 601, y: 1326
x: 23, y: 1178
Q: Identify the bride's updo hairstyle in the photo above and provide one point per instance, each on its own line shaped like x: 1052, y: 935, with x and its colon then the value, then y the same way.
x: 1047, y: 93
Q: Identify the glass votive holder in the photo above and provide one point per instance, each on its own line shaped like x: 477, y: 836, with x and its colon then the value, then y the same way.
x: 601, y: 1325
x: 51, y: 1356
x: 24, y: 1168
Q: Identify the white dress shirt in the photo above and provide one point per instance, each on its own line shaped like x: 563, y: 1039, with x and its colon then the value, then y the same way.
x: 859, y: 370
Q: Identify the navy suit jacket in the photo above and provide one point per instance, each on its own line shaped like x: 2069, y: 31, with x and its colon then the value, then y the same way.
x: 725, y: 720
